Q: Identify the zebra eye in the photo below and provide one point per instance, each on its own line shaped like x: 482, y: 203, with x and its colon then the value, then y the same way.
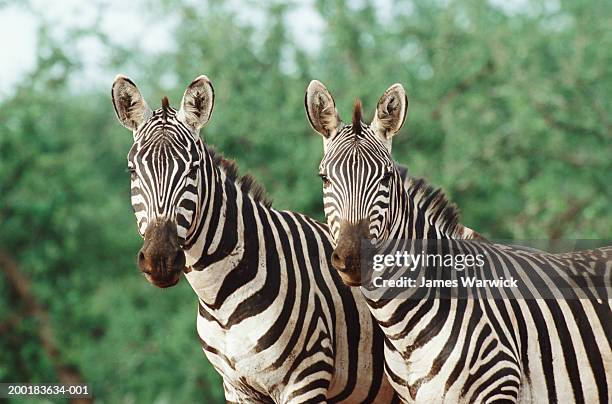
x: 132, y: 171
x: 325, y: 179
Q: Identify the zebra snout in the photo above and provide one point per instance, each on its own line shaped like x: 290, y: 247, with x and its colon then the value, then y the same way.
x: 346, y: 257
x: 348, y: 266
x: 161, y: 258
x: 344, y: 260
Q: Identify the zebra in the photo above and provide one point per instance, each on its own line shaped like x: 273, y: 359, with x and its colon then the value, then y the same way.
x: 456, y: 350
x: 274, y: 319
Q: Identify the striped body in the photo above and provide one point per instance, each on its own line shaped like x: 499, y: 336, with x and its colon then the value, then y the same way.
x: 514, y: 348
x: 273, y: 317
x: 461, y: 350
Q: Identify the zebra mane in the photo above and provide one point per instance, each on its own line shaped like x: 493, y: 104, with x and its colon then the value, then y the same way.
x: 247, y: 183
x: 165, y: 107
x: 357, y: 118
x: 445, y: 212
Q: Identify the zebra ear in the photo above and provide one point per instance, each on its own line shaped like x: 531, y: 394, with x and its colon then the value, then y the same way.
x: 321, y: 110
x: 391, y: 112
x: 130, y: 106
x: 197, y: 103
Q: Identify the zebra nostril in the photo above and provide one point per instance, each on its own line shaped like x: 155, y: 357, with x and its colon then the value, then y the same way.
x: 142, y: 262
x: 178, y: 263
x: 337, y: 261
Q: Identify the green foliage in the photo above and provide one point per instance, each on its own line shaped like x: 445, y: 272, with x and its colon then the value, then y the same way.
x: 509, y: 113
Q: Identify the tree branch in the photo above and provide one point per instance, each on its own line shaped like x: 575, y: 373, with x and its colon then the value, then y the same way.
x: 557, y: 229
x: 66, y: 373
x: 463, y: 86
x: 567, y: 127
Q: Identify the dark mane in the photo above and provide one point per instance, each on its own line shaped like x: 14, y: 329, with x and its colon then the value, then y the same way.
x: 165, y: 108
x: 247, y: 183
x: 446, y: 213
x: 357, y: 117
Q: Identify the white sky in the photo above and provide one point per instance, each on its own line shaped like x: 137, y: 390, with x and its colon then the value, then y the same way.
x: 123, y: 22
x: 21, y: 51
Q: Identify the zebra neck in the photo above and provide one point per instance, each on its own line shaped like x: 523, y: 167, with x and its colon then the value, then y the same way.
x: 423, y: 212
x: 228, y: 236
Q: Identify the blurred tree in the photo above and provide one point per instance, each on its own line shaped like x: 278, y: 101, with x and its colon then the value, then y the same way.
x: 509, y: 113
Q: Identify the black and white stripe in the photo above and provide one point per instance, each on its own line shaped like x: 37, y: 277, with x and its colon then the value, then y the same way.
x: 273, y: 318
x: 516, y: 349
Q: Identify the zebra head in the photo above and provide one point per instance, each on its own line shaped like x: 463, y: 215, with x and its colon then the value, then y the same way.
x: 165, y: 163
x: 358, y: 172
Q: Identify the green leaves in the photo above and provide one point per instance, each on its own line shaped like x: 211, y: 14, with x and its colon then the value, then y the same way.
x: 509, y: 113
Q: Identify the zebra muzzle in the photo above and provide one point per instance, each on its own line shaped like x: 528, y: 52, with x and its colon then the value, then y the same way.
x: 346, y: 258
x: 161, y: 258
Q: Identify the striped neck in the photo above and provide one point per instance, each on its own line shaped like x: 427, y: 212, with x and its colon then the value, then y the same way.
x: 229, y: 205
x: 420, y: 211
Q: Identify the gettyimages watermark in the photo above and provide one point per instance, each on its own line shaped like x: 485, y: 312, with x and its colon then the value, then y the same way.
x: 501, y: 269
